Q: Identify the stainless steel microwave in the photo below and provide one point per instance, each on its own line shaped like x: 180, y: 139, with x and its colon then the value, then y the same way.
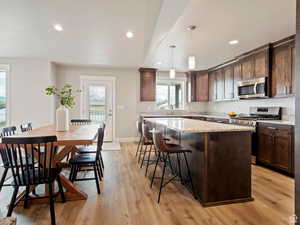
x: 256, y: 88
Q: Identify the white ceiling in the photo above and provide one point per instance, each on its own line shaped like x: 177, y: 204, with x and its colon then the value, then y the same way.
x: 94, y: 30
x: 252, y: 22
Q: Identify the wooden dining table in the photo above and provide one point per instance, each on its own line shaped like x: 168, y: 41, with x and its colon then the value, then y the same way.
x: 67, y: 142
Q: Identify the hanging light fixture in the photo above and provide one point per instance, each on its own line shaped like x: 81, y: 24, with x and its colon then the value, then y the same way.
x: 172, y: 69
x: 192, y: 58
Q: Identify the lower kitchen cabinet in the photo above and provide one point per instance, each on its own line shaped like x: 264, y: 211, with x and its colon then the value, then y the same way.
x: 275, y: 146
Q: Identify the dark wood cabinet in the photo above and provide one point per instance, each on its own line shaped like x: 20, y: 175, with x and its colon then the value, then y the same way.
x: 212, y: 86
x: 191, y: 86
x: 262, y: 62
x: 202, y: 94
x: 220, y: 84
x: 197, y: 86
x: 255, y: 64
x: 229, y: 82
x: 147, y: 84
x: 247, y: 68
x: 293, y: 70
x: 275, y: 146
x: 236, y: 77
x: 283, y: 68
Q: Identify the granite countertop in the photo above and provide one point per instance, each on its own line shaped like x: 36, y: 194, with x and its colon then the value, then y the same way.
x: 198, y: 126
x: 7, y: 221
x: 279, y: 122
x: 217, y: 116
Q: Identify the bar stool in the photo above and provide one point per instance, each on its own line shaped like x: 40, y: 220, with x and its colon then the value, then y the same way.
x: 164, y: 152
x: 139, y: 129
x: 147, y: 140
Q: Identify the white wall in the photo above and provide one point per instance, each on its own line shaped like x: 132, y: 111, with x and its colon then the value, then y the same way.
x: 27, y: 101
x: 127, y: 93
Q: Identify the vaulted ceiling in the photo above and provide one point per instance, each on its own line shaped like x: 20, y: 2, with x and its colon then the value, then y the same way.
x: 94, y: 30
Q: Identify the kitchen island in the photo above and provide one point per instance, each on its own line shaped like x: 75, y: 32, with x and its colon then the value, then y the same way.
x: 220, y: 161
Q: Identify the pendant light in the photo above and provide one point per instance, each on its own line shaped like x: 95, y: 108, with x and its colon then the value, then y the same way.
x: 191, y: 58
x: 172, y: 69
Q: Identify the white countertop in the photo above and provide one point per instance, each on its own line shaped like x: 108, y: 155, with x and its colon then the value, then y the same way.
x: 198, y: 126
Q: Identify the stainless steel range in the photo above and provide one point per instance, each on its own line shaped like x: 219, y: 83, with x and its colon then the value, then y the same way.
x: 257, y: 113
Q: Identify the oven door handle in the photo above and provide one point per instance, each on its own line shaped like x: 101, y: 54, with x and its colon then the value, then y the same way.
x: 255, y: 88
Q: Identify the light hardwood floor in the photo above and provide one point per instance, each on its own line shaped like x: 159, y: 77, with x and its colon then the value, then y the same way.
x: 126, y: 198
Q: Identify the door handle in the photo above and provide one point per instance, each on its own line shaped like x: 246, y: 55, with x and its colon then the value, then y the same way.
x: 254, y: 88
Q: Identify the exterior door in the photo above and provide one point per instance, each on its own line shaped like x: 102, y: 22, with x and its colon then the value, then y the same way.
x: 97, y: 104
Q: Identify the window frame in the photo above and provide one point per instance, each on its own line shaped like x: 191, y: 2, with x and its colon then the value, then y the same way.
x: 5, y: 68
x: 182, y: 82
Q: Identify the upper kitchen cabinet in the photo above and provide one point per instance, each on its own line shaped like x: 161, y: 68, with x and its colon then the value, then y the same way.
x: 237, y: 76
x: 247, y: 68
x: 191, y: 86
x: 197, y: 86
x: 212, y: 86
x: 255, y: 64
x: 202, y: 94
x: 283, y: 75
x: 147, y: 84
x: 228, y: 82
x: 220, y: 84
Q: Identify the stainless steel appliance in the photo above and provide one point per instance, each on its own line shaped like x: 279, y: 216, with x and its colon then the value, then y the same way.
x: 256, y: 88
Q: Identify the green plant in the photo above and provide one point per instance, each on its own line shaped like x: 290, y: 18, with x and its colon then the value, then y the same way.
x: 65, y: 94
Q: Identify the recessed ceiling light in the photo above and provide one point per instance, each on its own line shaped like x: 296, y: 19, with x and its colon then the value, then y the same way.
x: 58, y: 27
x: 159, y: 63
x: 129, y: 34
x: 233, y: 42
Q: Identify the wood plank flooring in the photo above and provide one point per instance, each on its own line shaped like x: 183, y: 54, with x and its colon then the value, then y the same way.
x: 126, y: 198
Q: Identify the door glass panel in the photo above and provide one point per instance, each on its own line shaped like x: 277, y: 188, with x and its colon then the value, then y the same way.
x: 97, y: 103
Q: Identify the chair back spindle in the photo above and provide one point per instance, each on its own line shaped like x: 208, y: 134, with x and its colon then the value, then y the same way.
x: 81, y: 121
x: 26, y: 127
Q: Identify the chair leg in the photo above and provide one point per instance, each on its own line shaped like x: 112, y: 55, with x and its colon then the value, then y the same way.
x: 162, y: 178
x: 141, y: 149
x: 138, y: 147
x: 26, y: 197
x: 179, y: 168
x: 3, y: 178
x: 71, y: 172
x: 12, y: 201
x: 51, y: 200
x: 145, y: 151
x: 101, y: 161
x: 190, y: 176
x: 96, y: 179
x: 148, y: 160
x: 157, y: 160
x: 99, y: 170
x: 61, y: 190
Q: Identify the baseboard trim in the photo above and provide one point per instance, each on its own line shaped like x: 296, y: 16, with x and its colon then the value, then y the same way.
x: 128, y: 139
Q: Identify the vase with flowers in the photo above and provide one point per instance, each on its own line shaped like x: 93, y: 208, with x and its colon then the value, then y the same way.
x: 67, y: 100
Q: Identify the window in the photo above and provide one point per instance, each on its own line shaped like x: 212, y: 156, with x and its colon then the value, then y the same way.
x: 3, y: 96
x: 170, y: 94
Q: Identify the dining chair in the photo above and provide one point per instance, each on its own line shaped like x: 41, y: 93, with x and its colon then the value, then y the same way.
x: 81, y: 121
x: 6, y: 131
x: 26, y: 127
x: 164, y: 152
x: 77, y: 162
x: 27, y: 173
x: 92, y: 149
